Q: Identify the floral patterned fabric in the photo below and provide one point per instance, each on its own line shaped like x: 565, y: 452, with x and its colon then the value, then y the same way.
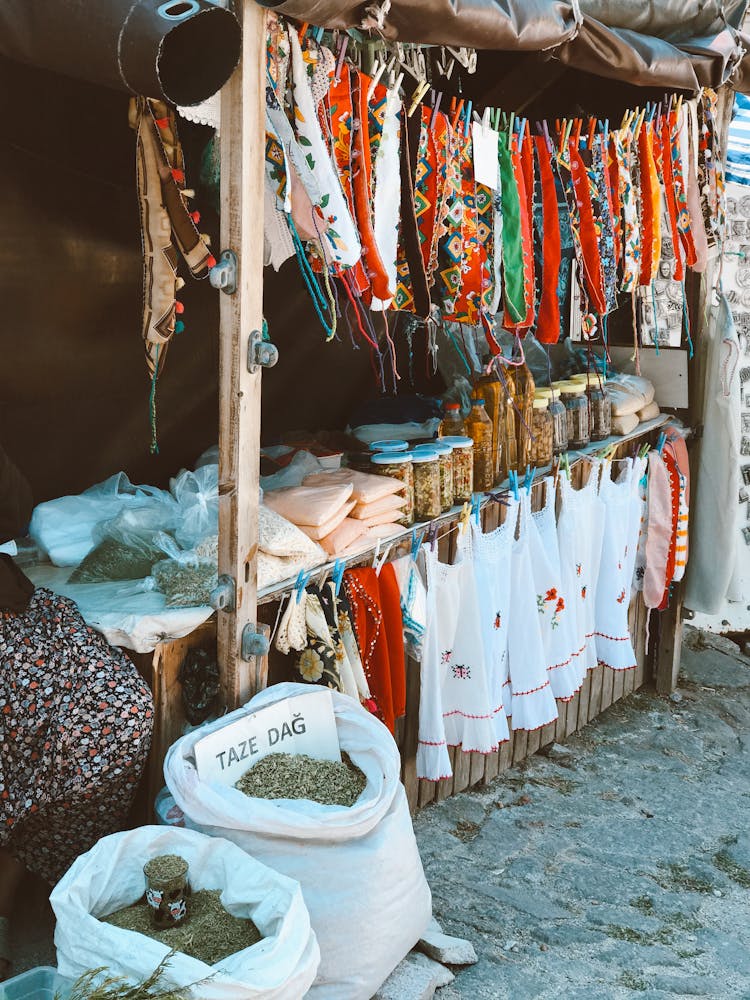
x: 75, y: 732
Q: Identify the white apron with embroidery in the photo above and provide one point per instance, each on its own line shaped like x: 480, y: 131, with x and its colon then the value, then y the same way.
x: 554, y: 603
x: 532, y: 702
x: 622, y: 516
x: 492, y: 571
x: 455, y: 705
x: 579, y: 532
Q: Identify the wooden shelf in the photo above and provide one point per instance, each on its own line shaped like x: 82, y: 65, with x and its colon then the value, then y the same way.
x: 400, y: 543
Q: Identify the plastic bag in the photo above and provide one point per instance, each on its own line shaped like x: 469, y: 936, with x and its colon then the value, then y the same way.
x: 125, y: 547
x: 64, y: 528
x: 187, y: 577
x: 197, y: 497
x: 359, y: 867
x: 110, y: 876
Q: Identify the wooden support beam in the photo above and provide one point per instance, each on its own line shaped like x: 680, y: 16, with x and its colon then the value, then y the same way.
x: 669, y: 646
x: 243, y: 131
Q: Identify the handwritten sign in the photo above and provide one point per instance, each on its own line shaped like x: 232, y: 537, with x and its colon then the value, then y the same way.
x: 302, y: 725
x: 484, y: 142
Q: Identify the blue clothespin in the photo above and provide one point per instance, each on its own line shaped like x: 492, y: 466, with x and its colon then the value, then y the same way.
x: 528, y: 478
x: 513, y: 480
x: 301, y: 583
x: 416, y: 542
x: 318, y: 34
x: 661, y: 442
x: 338, y: 575
x: 476, y: 507
x: 468, y: 118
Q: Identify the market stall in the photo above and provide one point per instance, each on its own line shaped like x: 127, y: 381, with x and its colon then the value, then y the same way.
x: 246, y: 616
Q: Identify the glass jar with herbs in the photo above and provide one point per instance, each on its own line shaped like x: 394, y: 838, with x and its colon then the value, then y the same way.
x: 479, y: 429
x: 542, y: 433
x: 397, y: 465
x: 426, y: 485
x: 523, y: 398
x: 445, y: 455
x: 600, y: 408
x: 463, y: 468
x: 573, y: 395
x: 559, y: 416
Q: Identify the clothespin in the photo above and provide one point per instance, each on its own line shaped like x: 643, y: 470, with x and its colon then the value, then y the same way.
x: 661, y: 442
x: 378, y: 71
x: 496, y: 119
x: 417, y: 96
x: 303, y: 31
x: 476, y: 508
x: 376, y: 553
x: 457, y: 112
x: 301, y: 583
x: 513, y: 481
x: 465, y: 517
x: 377, y: 566
x: 338, y: 575
x: 433, y: 535
x: 437, y: 98
x: 566, y: 464
x: 416, y: 542
x: 318, y: 34
x: 528, y: 479
x: 341, y: 56
x: 468, y: 119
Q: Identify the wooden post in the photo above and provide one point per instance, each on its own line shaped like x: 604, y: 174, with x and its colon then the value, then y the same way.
x: 242, y: 176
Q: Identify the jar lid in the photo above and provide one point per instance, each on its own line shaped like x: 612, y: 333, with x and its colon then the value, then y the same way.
x: 453, y: 406
x: 579, y: 377
x: 477, y: 402
x: 544, y: 392
x: 420, y: 457
x: 391, y: 457
x: 457, y: 441
x: 439, y: 446
x: 540, y: 402
x: 394, y: 445
x: 572, y: 388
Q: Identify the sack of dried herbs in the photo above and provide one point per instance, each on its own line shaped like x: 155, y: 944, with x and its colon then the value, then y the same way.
x: 101, y: 920
x: 358, y: 864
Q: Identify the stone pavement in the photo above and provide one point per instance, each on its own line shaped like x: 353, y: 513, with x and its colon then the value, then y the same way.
x: 618, y: 866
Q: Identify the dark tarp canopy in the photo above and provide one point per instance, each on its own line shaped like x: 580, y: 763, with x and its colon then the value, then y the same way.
x: 675, y: 44
x: 181, y: 50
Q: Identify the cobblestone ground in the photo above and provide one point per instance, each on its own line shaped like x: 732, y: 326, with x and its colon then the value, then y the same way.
x: 619, y: 865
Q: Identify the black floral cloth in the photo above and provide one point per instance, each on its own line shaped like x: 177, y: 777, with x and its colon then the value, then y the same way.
x: 75, y: 732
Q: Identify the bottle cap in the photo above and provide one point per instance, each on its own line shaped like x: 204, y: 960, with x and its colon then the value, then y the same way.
x: 453, y: 406
x: 457, y: 441
x: 477, y: 402
x: 394, y: 445
x: 391, y: 457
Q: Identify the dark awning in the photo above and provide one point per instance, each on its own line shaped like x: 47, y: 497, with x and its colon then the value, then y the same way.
x: 683, y: 44
x: 181, y: 50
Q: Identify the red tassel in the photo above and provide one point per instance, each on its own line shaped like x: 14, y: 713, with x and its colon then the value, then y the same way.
x: 179, y: 176
x: 211, y: 262
x: 196, y: 217
x: 162, y: 122
x: 179, y: 308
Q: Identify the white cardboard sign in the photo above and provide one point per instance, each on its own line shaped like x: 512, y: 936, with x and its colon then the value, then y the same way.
x: 302, y: 725
x: 484, y: 141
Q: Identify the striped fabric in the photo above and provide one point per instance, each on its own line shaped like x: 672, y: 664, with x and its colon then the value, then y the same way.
x: 738, y: 142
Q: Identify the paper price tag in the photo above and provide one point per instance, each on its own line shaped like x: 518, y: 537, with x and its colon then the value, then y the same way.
x: 302, y: 725
x: 484, y: 141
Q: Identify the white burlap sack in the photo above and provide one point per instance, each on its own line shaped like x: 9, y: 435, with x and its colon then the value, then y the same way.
x: 359, y: 867
x: 110, y: 876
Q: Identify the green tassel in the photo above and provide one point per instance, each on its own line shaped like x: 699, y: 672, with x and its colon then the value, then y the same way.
x: 152, y: 406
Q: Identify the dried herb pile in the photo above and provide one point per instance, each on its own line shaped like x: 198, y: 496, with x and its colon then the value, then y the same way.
x: 99, y: 984
x: 185, y: 586
x: 297, y: 776
x: 209, y: 934
x: 115, y: 560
